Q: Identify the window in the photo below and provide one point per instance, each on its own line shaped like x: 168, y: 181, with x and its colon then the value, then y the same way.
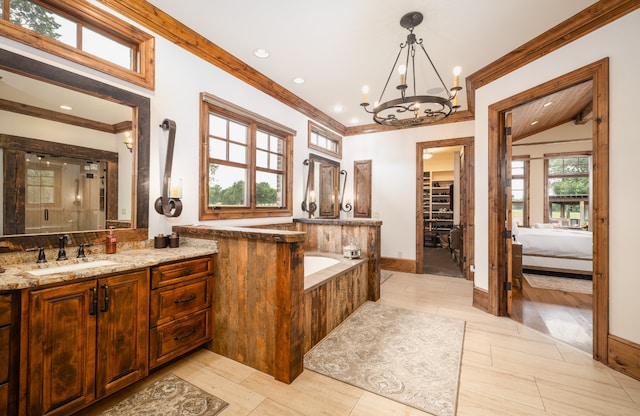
x: 568, y: 188
x: 80, y: 32
x: 246, y: 162
x: 520, y: 190
x: 324, y: 140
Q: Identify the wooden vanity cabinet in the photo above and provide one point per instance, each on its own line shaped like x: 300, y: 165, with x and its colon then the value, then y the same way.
x: 181, y: 308
x: 86, y: 340
x: 8, y: 353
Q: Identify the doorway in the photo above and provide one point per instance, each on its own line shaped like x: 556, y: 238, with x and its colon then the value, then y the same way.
x: 499, y: 260
x: 444, y: 209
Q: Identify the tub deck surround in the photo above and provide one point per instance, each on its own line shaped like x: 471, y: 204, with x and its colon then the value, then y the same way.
x: 331, y: 235
x: 129, y: 256
x: 331, y: 295
x: 259, y: 306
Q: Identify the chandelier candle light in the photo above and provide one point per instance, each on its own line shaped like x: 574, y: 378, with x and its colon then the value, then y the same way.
x: 415, y: 109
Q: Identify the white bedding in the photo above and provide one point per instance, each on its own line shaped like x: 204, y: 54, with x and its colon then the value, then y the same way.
x: 555, y: 242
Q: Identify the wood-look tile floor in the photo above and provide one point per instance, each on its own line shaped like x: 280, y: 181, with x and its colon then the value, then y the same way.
x: 507, y: 369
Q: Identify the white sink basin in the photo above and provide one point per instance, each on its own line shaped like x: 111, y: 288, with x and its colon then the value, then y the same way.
x: 71, y: 267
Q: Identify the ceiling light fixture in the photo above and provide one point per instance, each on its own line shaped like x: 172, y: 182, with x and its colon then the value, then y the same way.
x: 427, y: 155
x: 261, y: 53
x: 298, y: 80
x: 65, y: 107
x: 415, y: 109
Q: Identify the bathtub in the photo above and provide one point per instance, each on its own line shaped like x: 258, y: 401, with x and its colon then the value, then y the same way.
x: 319, y: 267
x: 334, y: 287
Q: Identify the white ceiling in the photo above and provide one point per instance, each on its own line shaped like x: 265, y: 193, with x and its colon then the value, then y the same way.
x: 338, y: 46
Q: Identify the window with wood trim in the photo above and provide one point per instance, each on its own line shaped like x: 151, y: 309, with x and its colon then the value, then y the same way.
x: 324, y: 140
x: 246, y: 163
x: 82, y: 33
x: 520, y: 190
x: 568, y: 186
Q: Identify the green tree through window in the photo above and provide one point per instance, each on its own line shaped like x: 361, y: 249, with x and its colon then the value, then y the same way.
x: 30, y: 15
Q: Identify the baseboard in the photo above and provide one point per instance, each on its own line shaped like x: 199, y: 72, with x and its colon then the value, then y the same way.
x: 481, y: 299
x: 398, y: 265
x: 624, y: 356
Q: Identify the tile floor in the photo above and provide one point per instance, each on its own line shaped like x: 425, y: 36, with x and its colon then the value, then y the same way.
x: 507, y: 369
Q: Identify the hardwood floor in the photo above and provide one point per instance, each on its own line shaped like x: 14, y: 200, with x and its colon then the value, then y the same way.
x: 566, y: 316
x: 507, y: 369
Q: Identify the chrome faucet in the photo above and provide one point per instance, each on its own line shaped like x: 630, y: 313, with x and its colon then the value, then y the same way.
x: 62, y: 253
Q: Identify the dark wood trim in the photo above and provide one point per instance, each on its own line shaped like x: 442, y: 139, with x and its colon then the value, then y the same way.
x: 362, y: 174
x: 599, y: 73
x: 398, y: 265
x: 141, y: 127
x: 481, y: 299
x: 624, y: 356
x: 467, y: 200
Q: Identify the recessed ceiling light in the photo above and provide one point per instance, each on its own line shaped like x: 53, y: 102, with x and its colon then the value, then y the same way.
x: 547, y: 104
x: 261, y: 53
x: 533, y: 123
x: 298, y: 80
x: 66, y: 107
x: 337, y: 108
x: 355, y: 120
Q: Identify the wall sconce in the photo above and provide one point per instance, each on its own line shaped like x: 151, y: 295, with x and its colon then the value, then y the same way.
x: 309, y: 195
x: 128, y: 141
x: 169, y: 203
x: 345, y: 205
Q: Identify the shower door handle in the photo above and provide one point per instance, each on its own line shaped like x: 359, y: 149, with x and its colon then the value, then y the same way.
x: 46, y: 214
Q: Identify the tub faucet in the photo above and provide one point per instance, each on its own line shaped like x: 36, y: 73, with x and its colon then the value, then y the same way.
x: 62, y: 253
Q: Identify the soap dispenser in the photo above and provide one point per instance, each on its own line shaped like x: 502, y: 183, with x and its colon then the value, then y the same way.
x: 110, y: 243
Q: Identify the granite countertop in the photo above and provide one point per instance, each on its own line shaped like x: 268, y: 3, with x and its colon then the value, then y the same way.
x: 17, y: 276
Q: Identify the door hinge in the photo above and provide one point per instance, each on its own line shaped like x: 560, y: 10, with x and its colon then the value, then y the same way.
x: 507, y: 285
x: 507, y: 182
x: 507, y: 131
x: 506, y: 234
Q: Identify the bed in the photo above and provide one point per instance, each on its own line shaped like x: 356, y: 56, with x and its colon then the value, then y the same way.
x: 555, y: 249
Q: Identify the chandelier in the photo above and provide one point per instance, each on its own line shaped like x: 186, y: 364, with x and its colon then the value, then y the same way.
x: 414, y: 109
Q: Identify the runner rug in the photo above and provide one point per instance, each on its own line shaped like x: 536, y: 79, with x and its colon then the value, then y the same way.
x: 169, y: 396
x: 410, y: 357
x: 566, y: 284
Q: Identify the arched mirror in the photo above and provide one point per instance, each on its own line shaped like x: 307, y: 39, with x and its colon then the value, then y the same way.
x: 324, y: 186
x: 75, y: 156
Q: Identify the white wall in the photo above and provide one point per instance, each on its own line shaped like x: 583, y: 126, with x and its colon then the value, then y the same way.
x: 619, y: 42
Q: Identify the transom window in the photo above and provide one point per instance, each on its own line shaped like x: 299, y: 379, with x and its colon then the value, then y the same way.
x: 324, y: 140
x: 80, y: 32
x: 246, y: 161
x: 520, y: 191
x: 568, y: 188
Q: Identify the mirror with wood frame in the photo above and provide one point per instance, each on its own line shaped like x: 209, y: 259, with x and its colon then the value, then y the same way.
x: 324, y: 182
x: 70, y: 173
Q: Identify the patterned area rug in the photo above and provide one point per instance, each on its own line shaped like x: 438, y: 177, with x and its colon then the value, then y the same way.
x: 169, y: 396
x: 566, y: 284
x: 410, y: 357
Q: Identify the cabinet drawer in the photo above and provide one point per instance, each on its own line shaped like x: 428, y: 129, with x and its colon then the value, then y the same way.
x: 175, y: 338
x: 181, y: 271
x: 5, y: 310
x: 172, y: 302
x: 4, y: 353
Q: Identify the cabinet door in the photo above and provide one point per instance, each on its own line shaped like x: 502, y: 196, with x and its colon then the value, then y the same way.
x: 62, y: 349
x: 123, y: 331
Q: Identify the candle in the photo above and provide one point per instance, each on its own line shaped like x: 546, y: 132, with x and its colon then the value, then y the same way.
x: 456, y: 76
x: 403, y: 71
x: 365, y: 94
x: 175, y: 189
x: 312, y: 196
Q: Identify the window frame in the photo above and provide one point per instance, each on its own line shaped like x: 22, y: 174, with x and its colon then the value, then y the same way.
x: 563, y: 155
x: 211, y: 104
x: 526, y: 193
x: 329, y: 135
x: 100, y: 21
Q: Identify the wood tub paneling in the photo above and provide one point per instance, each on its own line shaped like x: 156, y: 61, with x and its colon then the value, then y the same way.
x: 328, y: 304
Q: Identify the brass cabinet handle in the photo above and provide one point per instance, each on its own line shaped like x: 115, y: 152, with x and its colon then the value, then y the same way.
x: 187, y: 335
x: 189, y: 299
